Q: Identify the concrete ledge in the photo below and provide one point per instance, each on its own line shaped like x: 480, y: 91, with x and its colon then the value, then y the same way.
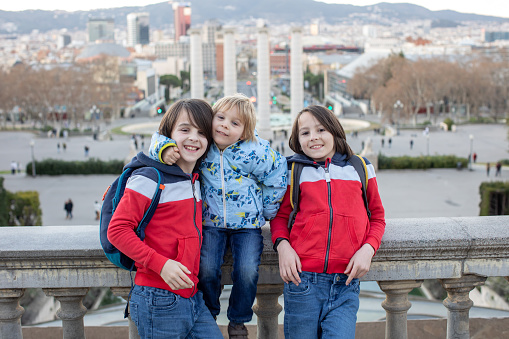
x: 417, y: 329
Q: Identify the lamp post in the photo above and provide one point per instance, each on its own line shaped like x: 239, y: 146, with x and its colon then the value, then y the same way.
x: 471, y: 152
x: 427, y: 144
x: 398, y: 106
x: 32, y: 144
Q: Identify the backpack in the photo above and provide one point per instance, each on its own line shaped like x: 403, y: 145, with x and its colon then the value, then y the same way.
x: 357, y: 162
x: 111, y: 198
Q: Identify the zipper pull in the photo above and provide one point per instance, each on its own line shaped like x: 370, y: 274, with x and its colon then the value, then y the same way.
x: 327, y: 175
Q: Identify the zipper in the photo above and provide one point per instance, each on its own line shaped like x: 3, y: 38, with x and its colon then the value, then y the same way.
x: 193, y: 181
x: 221, y: 165
x: 331, y: 216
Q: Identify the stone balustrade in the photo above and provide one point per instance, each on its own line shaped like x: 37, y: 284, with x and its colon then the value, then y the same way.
x: 66, y: 261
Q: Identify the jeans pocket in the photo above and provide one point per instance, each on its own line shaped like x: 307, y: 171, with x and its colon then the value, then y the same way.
x: 303, y: 288
x: 164, y: 299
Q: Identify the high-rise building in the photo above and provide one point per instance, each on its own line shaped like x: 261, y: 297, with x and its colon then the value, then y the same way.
x: 138, y: 29
x: 101, y: 29
x: 182, y: 18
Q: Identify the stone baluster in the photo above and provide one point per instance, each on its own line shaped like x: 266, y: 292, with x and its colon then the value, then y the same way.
x: 124, y: 293
x: 267, y: 310
x: 458, y: 304
x: 10, y: 313
x: 71, y: 310
x: 396, y: 306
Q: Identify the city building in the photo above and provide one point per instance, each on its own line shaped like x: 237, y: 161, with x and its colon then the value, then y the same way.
x: 182, y: 18
x: 138, y: 29
x: 101, y: 30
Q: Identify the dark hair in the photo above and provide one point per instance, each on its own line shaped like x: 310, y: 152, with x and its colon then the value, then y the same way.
x: 200, y: 114
x: 330, y: 122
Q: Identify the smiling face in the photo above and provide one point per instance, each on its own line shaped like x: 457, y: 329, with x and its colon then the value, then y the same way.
x: 227, y: 128
x: 316, y: 142
x: 190, y: 140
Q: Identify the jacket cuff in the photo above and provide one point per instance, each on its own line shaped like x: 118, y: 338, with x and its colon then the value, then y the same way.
x: 277, y: 242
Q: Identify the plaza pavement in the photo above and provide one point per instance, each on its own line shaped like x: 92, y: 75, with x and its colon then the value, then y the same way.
x: 405, y: 193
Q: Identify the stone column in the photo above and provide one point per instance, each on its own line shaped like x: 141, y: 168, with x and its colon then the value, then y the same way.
x: 297, y: 77
x: 396, y: 306
x: 267, y: 310
x: 263, y: 85
x: 71, y: 310
x: 458, y: 304
x: 10, y: 313
x: 196, y: 64
x: 124, y: 293
x: 230, y: 62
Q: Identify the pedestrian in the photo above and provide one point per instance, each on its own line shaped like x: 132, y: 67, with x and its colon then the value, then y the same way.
x: 321, y: 270
x: 97, y: 209
x: 411, y: 143
x: 498, y: 166
x: 165, y: 301
x: 14, y: 167
x: 142, y: 137
x: 390, y: 142
x: 68, y: 209
x: 475, y: 157
x: 362, y: 145
x: 243, y: 181
x: 488, y: 169
x: 86, y: 151
x: 64, y: 146
x: 282, y: 147
x: 383, y: 142
x: 58, y: 147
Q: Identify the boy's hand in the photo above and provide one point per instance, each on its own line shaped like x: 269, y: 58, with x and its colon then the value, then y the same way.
x: 289, y: 263
x: 170, y: 155
x: 175, y: 275
x: 360, y: 263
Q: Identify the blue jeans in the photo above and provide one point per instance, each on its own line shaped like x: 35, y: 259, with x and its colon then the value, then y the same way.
x: 322, y: 306
x: 246, y: 246
x: 161, y: 314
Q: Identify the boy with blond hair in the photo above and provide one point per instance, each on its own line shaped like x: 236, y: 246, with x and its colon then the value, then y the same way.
x: 243, y: 182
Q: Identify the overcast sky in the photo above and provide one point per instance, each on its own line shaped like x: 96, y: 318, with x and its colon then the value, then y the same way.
x: 485, y: 7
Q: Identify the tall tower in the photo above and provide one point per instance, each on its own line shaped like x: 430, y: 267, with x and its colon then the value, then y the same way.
x: 296, y: 71
x: 263, y: 84
x: 196, y: 64
x: 182, y: 18
x: 101, y: 29
x: 138, y: 29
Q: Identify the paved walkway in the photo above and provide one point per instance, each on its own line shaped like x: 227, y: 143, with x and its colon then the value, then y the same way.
x: 405, y: 193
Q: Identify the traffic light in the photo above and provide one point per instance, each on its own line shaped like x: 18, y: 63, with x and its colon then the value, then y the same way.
x: 160, y: 109
x: 330, y: 107
x: 274, y: 100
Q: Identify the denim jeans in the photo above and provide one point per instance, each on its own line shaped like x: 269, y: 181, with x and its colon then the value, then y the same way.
x: 161, y: 314
x: 322, y: 306
x: 246, y: 246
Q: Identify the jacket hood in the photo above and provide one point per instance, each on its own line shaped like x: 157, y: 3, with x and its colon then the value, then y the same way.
x: 337, y: 159
x: 142, y: 160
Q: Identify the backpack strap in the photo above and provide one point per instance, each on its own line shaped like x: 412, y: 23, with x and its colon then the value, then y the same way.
x: 360, y: 167
x: 140, y: 230
x: 294, y: 191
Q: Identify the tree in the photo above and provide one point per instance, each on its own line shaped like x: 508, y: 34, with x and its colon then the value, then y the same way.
x: 169, y: 80
x: 185, y: 77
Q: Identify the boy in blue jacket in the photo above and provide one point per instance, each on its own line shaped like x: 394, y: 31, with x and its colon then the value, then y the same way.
x: 243, y: 183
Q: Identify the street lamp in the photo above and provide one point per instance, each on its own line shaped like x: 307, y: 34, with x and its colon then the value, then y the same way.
x: 398, y: 106
x: 427, y: 144
x: 32, y: 144
x: 471, y: 152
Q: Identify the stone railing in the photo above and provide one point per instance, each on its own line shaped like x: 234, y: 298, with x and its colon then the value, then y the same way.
x: 66, y: 261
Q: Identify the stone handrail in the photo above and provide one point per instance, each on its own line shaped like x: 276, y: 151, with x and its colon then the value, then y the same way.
x: 66, y: 261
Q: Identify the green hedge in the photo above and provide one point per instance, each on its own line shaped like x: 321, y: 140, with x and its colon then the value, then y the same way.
x: 494, y: 198
x: 20, y: 208
x: 91, y: 166
x: 422, y: 162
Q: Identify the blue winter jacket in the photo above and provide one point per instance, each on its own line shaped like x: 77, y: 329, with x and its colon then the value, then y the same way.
x: 242, y: 186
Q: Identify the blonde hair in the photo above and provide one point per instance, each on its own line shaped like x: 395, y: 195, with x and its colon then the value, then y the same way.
x: 245, y: 109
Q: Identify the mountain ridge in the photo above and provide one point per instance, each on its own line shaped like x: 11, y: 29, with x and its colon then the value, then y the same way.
x: 276, y: 12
